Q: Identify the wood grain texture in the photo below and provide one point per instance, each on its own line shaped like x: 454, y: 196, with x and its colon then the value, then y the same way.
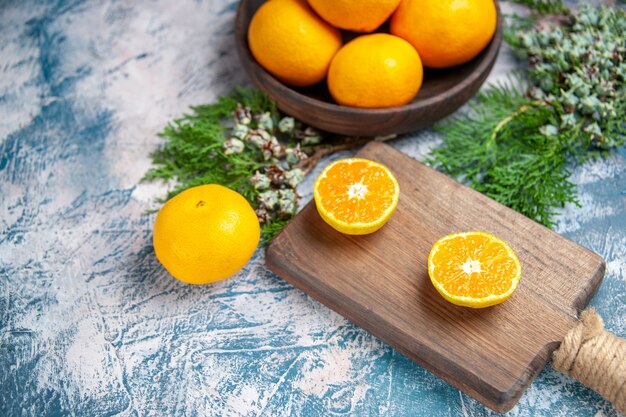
x: 442, y: 92
x: 380, y: 282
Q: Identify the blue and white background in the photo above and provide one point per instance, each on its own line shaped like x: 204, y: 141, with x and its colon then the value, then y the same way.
x: 92, y: 325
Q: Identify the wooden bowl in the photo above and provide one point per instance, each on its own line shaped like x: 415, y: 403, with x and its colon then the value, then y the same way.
x: 442, y: 92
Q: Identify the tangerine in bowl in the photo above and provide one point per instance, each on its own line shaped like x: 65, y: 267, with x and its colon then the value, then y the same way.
x: 442, y: 91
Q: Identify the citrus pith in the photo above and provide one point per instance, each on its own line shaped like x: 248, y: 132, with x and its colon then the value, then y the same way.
x: 474, y: 269
x: 356, y: 196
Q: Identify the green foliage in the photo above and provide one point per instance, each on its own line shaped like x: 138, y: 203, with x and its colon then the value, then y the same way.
x: 514, y: 25
x: 516, y: 144
x: 199, y: 149
x: 543, y: 6
x: 580, y: 69
x: 498, y: 148
x: 271, y: 229
x: 192, y: 153
x: 520, y: 139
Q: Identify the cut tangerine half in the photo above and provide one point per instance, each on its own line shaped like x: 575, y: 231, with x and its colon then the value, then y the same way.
x: 474, y: 269
x: 356, y: 196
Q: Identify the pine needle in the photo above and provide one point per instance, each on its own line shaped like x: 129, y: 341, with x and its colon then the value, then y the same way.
x: 498, y: 149
x: 192, y: 152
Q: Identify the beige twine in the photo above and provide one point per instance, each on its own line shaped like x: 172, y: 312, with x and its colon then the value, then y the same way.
x: 595, y: 357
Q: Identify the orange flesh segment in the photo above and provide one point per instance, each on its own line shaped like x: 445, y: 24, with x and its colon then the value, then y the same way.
x: 474, y: 266
x: 356, y: 192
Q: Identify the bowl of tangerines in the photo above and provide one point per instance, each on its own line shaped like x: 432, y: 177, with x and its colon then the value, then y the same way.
x: 368, y: 67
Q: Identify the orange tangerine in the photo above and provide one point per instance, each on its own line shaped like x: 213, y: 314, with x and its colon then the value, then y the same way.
x: 358, y: 16
x: 445, y: 32
x: 293, y: 43
x: 356, y: 196
x: 377, y: 70
x: 205, y: 234
x: 474, y: 269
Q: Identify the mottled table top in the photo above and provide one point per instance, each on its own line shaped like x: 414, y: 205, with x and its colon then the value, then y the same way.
x: 91, y: 324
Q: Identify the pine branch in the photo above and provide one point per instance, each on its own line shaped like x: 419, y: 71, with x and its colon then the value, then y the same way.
x: 519, y: 140
x: 517, y: 143
x: 193, y: 151
x: 543, y: 6
x: 498, y: 149
x: 198, y: 149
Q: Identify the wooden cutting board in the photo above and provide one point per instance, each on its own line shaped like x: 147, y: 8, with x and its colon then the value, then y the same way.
x: 380, y: 282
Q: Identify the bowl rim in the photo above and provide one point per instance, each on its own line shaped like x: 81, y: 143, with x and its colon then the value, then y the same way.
x: 489, y: 53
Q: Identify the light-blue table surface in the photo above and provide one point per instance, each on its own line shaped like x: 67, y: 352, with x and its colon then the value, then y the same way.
x: 92, y: 325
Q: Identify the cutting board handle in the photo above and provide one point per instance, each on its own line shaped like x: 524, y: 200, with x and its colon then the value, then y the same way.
x: 595, y: 357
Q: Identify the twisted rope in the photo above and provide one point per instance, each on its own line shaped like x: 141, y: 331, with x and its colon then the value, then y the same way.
x: 594, y: 357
